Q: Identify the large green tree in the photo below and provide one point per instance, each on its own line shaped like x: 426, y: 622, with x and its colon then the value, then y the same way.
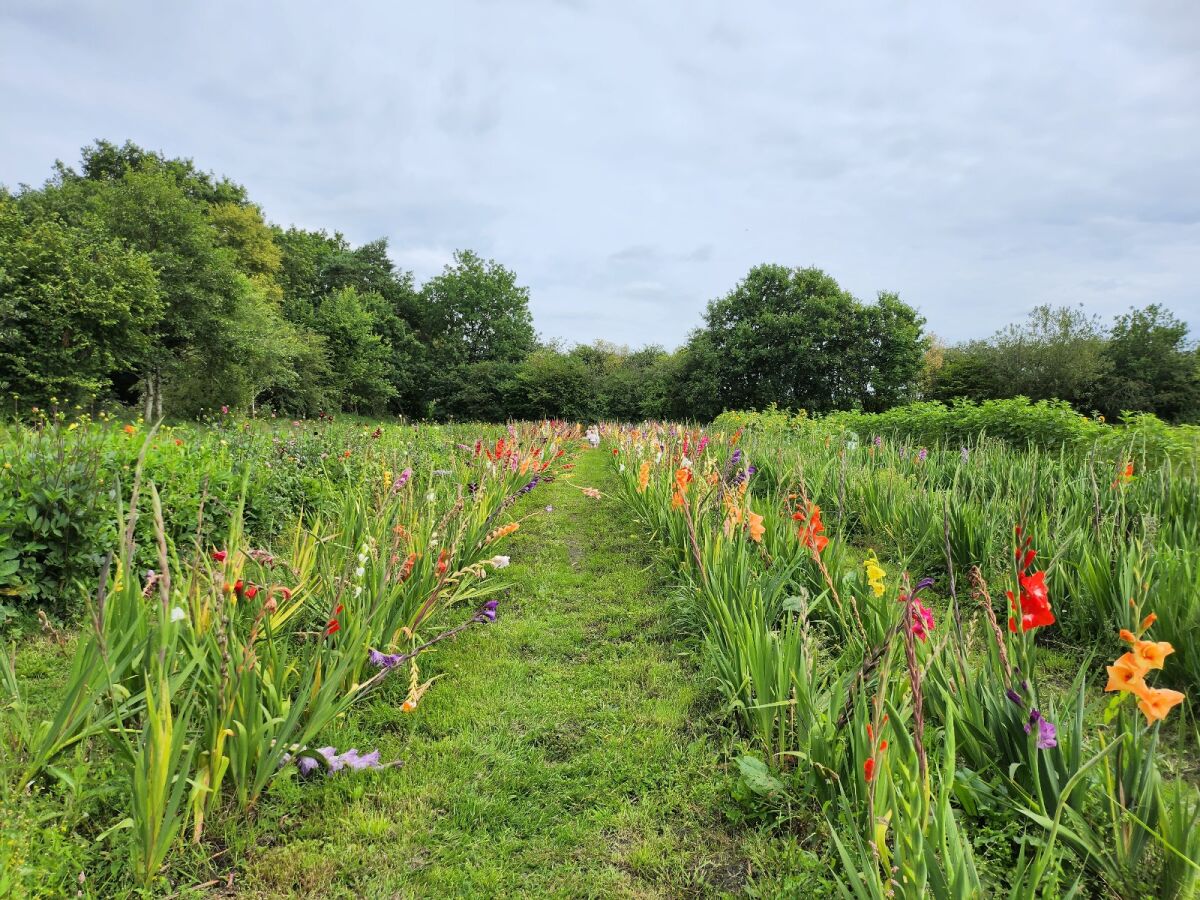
x: 478, y: 328
x: 77, y: 307
x: 1152, y: 367
x: 793, y: 337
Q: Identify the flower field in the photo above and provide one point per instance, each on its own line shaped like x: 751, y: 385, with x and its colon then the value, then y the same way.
x: 775, y: 656
x: 207, y: 662
x: 880, y: 614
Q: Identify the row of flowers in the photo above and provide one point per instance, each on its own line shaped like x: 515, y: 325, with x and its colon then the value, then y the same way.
x: 778, y: 589
x: 219, y: 670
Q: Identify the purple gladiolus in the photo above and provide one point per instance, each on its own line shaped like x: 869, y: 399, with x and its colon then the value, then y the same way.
x: 488, y: 612
x: 878, y: 441
x: 335, y: 762
x: 1047, y: 734
x: 1015, y: 697
x: 401, y: 479
x: 922, y: 455
x: 384, y: 660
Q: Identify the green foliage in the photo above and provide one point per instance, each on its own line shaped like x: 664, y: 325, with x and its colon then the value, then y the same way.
x: 793, y: 337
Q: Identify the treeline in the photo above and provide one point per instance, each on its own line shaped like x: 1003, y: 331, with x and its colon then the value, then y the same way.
x: 143, y: 280
x: 1142, y: 362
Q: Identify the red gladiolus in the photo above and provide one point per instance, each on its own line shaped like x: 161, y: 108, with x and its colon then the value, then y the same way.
x: 334, y: 626
x: 219, y: 555
x: 1033, y: 606
x: 443, y: 562
x: 869, y: 768
x: 237, y: 587
x: 251, y: 592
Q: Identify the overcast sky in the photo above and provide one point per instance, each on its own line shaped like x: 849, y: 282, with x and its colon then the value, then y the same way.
x: 631, y: 161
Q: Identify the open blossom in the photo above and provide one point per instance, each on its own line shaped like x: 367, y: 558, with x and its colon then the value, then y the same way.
x: 1128, y: 674
x: 812, y: 529
x: 331, y: 761
x: 1033, y: 606
x: 875, y: 574
x: 1047, y: 734
x: 499, y: 562
x: 643, y: 477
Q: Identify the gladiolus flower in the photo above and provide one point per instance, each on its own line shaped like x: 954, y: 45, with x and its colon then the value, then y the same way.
x: 812, y: 532
x: 1047, y: 734
x: 1034, y: 603
x: 219, y: 555
x: 1126, y: 674
x: 251, y: 592
x: 1155, y: 704
x: 683, y: 477
x: 922, y: 621
x: 1152, y: 653
x: 643, y: 477
x: 129, y: 429
x: 443, y: 562
x: 334, y: 626
x: 757, y: 529
x: 875, y: 575
x: 869, y: 769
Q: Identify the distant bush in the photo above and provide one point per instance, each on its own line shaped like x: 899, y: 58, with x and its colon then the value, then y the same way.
x: 1020, y: 422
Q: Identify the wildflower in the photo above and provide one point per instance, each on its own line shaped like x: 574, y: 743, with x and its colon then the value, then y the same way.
x: 875, y: 574
x: 643, y: 477
x: 1047, y: 734
x: 219, y: 555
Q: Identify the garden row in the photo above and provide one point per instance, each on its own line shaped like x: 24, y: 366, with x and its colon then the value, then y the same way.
x: 877, y: 612
x: 210, y: 659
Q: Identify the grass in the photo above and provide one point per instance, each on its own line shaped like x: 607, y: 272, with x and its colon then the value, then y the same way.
x: 568, y: 751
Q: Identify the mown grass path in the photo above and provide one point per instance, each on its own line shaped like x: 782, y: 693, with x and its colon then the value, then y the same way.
x: 567, y: 752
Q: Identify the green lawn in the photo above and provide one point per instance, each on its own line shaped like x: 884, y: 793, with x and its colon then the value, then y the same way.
x: 572, y: 748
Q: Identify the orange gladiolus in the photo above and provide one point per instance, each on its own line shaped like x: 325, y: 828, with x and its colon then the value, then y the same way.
x: 1127, y: 674
x: 676, y: 500
x: 643, y: 477
x: 683, y: 477
x: 1152, y: 653
x: 1155, y: 704
x: 757, y: 529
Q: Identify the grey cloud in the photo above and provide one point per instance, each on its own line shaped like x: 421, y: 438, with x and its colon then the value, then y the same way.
x: 631, y: 161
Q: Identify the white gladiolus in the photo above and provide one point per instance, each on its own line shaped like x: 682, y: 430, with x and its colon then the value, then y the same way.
x: 499, y: 561
x: 178, y: 614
